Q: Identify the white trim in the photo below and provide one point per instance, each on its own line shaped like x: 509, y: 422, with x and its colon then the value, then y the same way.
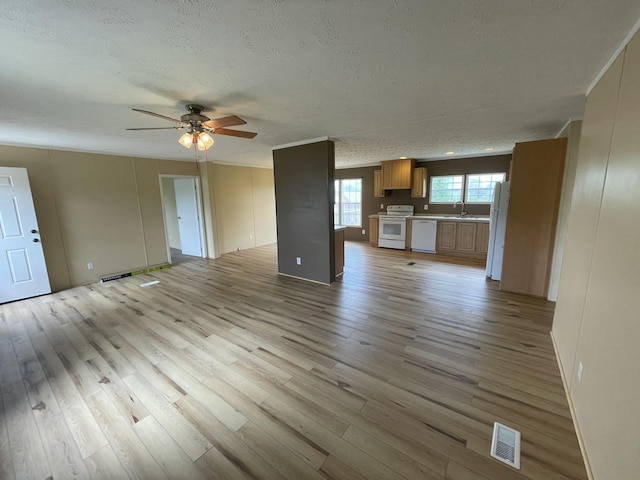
x: 615, y: 55
x: 576, y: 427
x: 236, y: 164
x: 575, y: 118
x: 567, y: 123
x: 301, y: 142
x: 199, y: 205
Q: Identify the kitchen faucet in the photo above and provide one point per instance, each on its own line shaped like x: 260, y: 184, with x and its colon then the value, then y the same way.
x: 462, y: 211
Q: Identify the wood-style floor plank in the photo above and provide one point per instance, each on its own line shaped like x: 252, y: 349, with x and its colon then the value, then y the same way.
x: 226, y: 370
x: 134, y: 457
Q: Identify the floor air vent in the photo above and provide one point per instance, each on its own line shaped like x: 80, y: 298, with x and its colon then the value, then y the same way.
x: 505, y: 445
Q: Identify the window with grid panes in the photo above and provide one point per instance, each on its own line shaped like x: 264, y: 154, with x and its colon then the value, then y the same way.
x: 348, y: 202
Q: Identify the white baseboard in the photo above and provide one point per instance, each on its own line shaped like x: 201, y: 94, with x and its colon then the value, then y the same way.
x: 565, y: 384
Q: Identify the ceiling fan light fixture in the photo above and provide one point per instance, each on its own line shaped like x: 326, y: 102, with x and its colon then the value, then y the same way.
x: 200, y: 127
x: 204, y: 141
x: 186, y: 140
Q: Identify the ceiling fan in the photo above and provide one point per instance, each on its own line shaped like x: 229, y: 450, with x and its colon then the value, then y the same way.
x: 200, y: 126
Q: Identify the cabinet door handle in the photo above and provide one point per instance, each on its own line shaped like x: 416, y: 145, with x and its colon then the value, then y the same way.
x: 36, y: 240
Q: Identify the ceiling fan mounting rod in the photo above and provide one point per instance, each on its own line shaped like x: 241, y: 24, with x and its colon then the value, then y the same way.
x: 194, y: 108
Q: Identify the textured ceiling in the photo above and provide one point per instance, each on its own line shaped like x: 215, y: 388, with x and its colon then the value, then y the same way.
x: 382, y: 78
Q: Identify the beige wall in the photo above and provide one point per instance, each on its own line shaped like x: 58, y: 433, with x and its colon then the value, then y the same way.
x: 171, y: 212
x: 243, y: 206
x: 95, y: 208
x: 107, y: 209
x: 264, y: 206
x: 597, y: 320
x: 40, y: 171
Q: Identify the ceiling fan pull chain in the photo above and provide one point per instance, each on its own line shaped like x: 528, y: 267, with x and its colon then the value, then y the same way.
x: 195, y: 155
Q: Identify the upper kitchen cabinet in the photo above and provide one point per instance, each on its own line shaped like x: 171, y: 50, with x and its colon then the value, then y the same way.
x: 419, y: 188
x: 397, y: 174
x: 536, y: 182
x: 378, y: 191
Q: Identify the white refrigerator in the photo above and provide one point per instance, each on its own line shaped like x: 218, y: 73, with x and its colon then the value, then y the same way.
x: 497, y: 229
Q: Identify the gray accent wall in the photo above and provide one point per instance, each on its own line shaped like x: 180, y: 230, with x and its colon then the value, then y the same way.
x: 304, y: 185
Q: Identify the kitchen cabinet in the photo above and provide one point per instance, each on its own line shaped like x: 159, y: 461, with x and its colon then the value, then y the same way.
x: 482, y: 238
x: 536, y: 182
x: 446, y: 236
x: 466, y: 237
x: 378, y: 191
x: 462, y: 238
x: 373, y: 231
x: 397, y: 174
x: 419, y: 189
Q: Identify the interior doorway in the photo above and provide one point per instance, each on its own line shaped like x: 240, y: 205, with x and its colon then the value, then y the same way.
x: 182, y: 210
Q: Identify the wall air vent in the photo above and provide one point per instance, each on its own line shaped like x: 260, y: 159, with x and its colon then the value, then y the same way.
x: 505, y: 445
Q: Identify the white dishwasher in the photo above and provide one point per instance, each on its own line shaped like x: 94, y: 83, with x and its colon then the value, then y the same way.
x: 423, y: 235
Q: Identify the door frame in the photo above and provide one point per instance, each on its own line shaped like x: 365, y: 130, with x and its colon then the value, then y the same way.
x: 199, y: 206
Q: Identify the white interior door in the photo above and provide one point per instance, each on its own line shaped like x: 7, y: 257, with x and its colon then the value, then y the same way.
x: 188, y: 217
x: 23, y: 272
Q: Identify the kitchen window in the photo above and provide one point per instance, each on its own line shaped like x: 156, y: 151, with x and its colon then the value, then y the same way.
x: 473, y: 187
x: 446, y: 189
x: 480, y: 187
x: 348, y: 202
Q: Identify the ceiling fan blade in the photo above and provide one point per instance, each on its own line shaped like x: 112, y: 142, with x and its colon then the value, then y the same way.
x: 234, y: 133
x: 230, y: 121
x: 156, y: 128
x: 158, y: 115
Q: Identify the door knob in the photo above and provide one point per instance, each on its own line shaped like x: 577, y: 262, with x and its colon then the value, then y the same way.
x: 34, y: 231
x: 36, y: 240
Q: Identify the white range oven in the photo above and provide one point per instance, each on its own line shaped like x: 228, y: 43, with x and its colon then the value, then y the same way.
x: 392, y: 232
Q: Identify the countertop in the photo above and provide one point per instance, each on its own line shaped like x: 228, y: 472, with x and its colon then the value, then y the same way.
x: 337, y: 229
x: 471, y: 218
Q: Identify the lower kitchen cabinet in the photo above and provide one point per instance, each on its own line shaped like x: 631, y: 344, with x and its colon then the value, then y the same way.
x: 482, y: 238
x: 463, y: 238
x: 446, y: 236
x: 373, y: 231
x: 466, y: 237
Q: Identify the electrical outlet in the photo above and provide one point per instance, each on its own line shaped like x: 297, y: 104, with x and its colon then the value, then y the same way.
x: 90, y: 266
x: 364, y: 232
x: 426, y: 207
x: 580, y: 370
x: 298, y: 261
x: 382, y: 206
x: 250, y: 236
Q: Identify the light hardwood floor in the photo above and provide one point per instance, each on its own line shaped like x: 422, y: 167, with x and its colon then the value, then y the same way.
x: 225, y: 370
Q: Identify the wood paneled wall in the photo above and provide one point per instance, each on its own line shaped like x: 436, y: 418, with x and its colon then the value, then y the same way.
x: 596, y: 320
x: 536, y: 181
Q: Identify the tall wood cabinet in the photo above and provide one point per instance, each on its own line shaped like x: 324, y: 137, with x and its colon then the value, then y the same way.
x: 536, y: 182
